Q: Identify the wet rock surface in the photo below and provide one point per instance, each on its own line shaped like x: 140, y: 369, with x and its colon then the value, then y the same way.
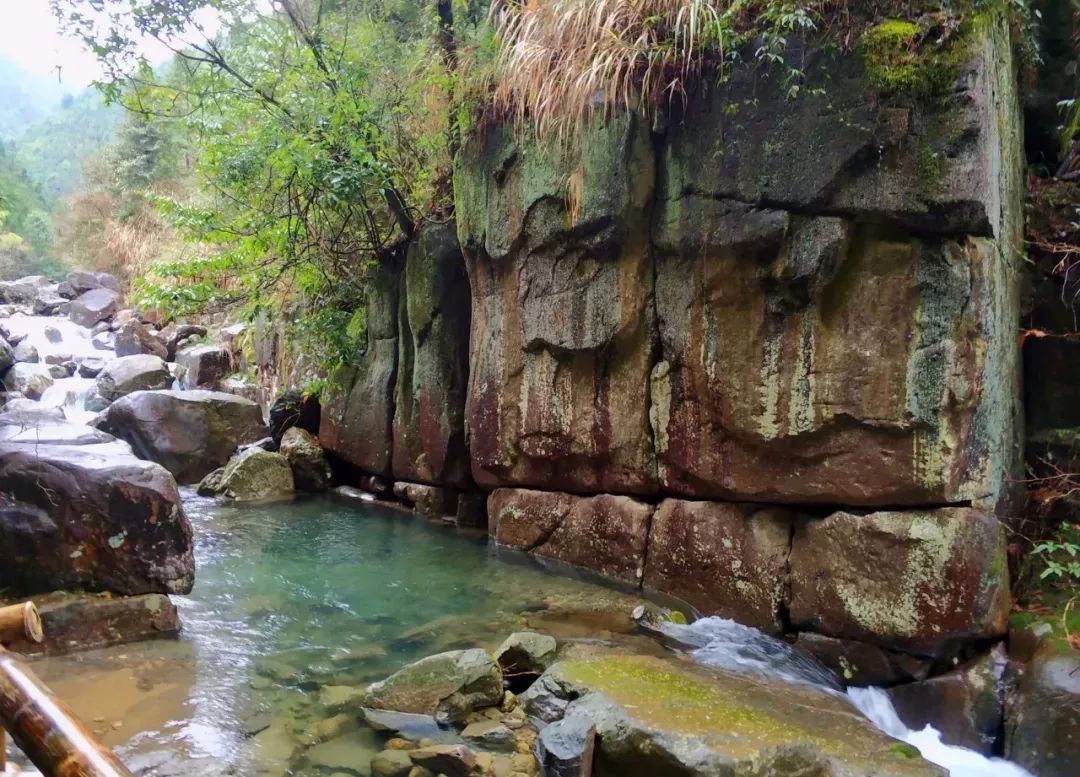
x: 92, y: 517
x: 190, y: 433
x: 251, y: 476
x: 128, y: 374
x: 311, y: 472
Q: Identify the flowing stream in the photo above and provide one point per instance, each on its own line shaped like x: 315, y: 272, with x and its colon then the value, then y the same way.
x: 722, y: 643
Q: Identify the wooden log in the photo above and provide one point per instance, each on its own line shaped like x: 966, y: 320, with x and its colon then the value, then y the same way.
x: 46, y: 730
x: 19, y: 622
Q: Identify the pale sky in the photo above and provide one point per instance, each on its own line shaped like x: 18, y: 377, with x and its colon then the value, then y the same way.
x: 30, y: 35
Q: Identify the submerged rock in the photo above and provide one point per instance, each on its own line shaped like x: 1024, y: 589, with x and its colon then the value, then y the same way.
x: 92, y: 517
x: 128, y: 374
x: 190, y: 433
x: 252, y: 475
x: 311, y: 471
x: 453, y: 683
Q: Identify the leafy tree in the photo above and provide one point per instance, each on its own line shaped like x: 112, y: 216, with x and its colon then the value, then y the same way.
x: 321, y: 129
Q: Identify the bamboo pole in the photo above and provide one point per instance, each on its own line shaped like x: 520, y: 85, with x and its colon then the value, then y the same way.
x: 20, y: 621
x: 46, y: 730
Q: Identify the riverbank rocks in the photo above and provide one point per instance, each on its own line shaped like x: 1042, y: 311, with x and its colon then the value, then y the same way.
x: 7, y: 355
x: 204, y: 365
x: 526, y: 652
x: 605, y: 534
x: 451, y: 684
x: 660, y: 717
x: 253, y: 475
x: 724, y: 559
x: 1042, y: 721
x: 916, y: 581
x: 133, y: 338
x: 965, y: 704
x: 93, y: 306
x: 429, y: 501
x: 29, y: 379
x: 90, y: 517
x: 82, y: 281
x: 128, y: 374
x: 311, y: 472
x: 190, y: 433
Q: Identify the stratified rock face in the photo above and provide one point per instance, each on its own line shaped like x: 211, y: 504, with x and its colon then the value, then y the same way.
x: 814, y: 300
x: 358, y: 404
x: 190, y: 433
x: 916, y: 581
x: 605, y: 534
x: 724, y: 559
x: 810, y: 360
x: 433, y: 361
x: 93, y: 306
x: 562, y: 323
x: 90, y: 517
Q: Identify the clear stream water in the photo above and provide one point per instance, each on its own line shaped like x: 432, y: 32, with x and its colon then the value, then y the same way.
x: 293, y: 596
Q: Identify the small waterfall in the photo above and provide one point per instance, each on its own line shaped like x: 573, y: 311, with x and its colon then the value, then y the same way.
x: 70, y: 395
x: 725, y: 644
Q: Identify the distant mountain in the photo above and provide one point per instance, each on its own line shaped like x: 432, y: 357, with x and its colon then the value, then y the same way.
x: 26, y: 98
x: 52, y: 148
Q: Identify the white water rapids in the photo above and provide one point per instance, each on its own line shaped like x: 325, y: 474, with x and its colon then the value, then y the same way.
x: 725, y: 644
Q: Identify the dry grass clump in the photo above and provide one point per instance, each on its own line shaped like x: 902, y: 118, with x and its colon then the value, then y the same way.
x: 562, y: 63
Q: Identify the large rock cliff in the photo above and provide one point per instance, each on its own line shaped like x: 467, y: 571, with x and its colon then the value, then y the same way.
x: 746, y: 354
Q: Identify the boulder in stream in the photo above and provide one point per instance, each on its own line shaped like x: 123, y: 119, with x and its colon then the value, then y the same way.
x: 128, y: 374
x: 204, y: 365
x: 26, y: 353
x: 452, y: 684
x: 30, y: 379
x: 134, y: 338
x: 82, y: 281
x: 190, y: 433
x: 90, y: 517
x: 7, y: 355
x: 253, y: 475
x: 311, y: 471
x: 93, y: 306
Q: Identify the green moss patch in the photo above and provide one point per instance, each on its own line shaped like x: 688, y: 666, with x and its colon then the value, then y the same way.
x: 902, y: 57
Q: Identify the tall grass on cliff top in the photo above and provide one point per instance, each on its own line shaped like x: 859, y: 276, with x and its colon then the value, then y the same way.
x: 563, y: 63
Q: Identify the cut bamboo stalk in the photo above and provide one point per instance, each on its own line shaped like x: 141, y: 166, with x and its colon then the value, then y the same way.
x: 46, y: 729
x: 19, y: 622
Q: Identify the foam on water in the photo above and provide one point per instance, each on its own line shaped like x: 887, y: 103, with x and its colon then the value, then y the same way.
x: 74, y: 340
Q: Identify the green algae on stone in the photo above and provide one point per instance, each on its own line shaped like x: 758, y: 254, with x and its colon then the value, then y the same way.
x: 657, y: 716
x: 900, y: 60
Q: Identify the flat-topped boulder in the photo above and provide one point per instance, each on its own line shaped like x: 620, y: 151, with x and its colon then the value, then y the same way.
x: 666, y: 718
x: 139, y: 372
x: 90, y: 517
x: 190, y: 433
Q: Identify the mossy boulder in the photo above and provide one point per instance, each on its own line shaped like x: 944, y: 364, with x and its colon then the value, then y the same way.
x: 253, y: 475
x: 452, y: 684
x: 301, y: 449
x: 658, y: 718
x: 526, y: 652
